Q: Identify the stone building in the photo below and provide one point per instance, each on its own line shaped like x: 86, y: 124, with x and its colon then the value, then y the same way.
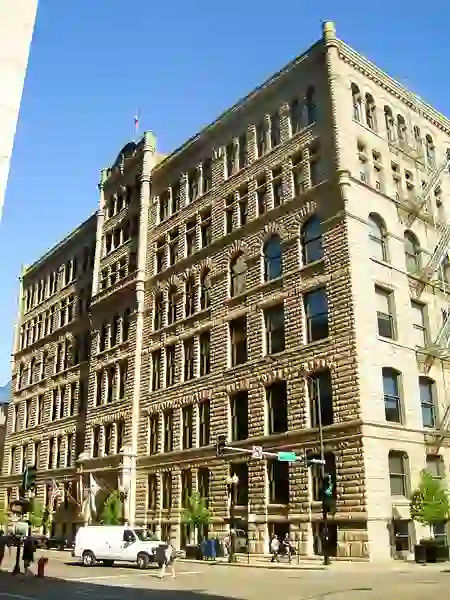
x: 282, y: 274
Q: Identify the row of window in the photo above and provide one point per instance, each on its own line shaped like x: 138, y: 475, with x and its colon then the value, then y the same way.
x: 121, y: 234
x: 118, y: 201
x: 267, y: 194
x: 394, y: 406
x: 43, y: 289
x: 267, y: 136
x: 117, y: 271
x: 400, y: 481
x: 365, y: 112
x: 197, y: 296
x: 387, y: 322
x: 67, y: 400
x: 68, y: 353
x: 116, y: 331
x: 196, y: 351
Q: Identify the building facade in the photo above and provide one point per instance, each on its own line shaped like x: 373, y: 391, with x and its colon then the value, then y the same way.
x: 275, y: 280
x: 16, y: 30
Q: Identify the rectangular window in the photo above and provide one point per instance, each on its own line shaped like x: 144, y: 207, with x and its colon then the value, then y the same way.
x: 391, y: 392
x: 316, y: 312
x: 156, y: 370
x: 262, y: 195
x: 295, y: 110
x: 435, y: 465
x: 243, y: 154
x: 164, y: 205
x: 275, y: 134
x: 205, y: 353
x: 191, y: 237
x: 385, y: 319
x: 152, y: 486
x: 203, y: 483
x: 173, y: 246
x: 207, y: 175
x: 166, y: 489
x: 243, y: 205
x: 176, y: 195
x: 261, y: 138
x: 206, y: 227
x: 275, y: 332
x: 427, y: 402
x: 188, y: 349
x: 204, y: 423
x: 229, y: 210
x: 277, y: 407
x: 188, y: 426
x: 170, y: 365
x: 277, y: 187
x: 238, y: 338
x: 278, y: 476
x: 320, y: 398
x: 193, y: 185
x: 40, y: 410
x: 230, y: 152
x: 397, y: 473
x: 168, y: 430
x: 153, y: 433
x: 239, y: 416
x: 240, y: 469
x: 419, y: 324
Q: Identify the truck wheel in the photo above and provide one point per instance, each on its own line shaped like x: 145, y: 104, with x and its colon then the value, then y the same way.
x: 143, y: 561
x: 108, y: 563
x: 88, y: 558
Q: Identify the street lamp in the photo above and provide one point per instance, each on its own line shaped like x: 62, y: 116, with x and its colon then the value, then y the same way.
x: 232, y: 483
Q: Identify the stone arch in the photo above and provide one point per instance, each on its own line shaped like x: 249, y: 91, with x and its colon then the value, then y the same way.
x: 274, y: 375
x: 273, y: 229
x: 175, y: 281
x: 203, y: 265
x: 316, y: 364
x: 238, y: 248
x: 307, y: 210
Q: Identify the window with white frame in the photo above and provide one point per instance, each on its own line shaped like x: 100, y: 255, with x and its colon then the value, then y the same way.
x: 419, y: 324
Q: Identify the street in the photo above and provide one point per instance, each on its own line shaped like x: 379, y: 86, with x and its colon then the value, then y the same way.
x: 197, y: 581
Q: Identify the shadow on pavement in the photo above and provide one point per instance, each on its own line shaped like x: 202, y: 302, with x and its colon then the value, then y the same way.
x: 24, y: 587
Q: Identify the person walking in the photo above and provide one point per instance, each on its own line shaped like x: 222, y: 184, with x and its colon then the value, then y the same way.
x: 169, y: 560
x: 29, y: 549
x: 274, y: 548
x: 287, y: 547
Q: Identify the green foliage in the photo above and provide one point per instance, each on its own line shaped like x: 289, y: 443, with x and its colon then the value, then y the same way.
x: 36, y: 513
x: 197, y: 514
x: 3, y: 518
x: 430, y: 501
x: 112, y: 513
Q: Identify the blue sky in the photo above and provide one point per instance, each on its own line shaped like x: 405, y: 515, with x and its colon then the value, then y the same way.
x: 93, y: 62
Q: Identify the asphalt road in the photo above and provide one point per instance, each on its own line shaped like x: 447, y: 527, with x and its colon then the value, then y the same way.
x: 194, y: 581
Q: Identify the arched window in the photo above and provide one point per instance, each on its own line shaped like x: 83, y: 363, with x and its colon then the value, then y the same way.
x: 191, y: 297
x: 377, y: 237
x: 402, y: 130
x: 273, y: 266
x: 205, y: 289
x: 412, y: 252
x: 158, y: 313
x: 389, y: 122
x: 238, y: 275
x: 172, y: 298
x: 311, y: 105
x: 356, y: 102
x: 311, y: 240
x: 371, y: 110
x: 430, y: 150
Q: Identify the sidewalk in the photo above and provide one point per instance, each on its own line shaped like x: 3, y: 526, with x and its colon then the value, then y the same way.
x: 316, y: 564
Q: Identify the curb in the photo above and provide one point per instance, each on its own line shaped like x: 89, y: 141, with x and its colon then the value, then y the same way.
x: 217, y: 563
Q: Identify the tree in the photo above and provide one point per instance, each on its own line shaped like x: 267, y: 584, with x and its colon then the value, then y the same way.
x: 3, y: 518
x: 36, y: 513
x: 430, y: 501
x: 112, y: 513
x: 196, y: 514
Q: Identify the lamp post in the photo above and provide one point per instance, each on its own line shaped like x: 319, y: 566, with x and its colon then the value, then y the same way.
x: 232, y: 483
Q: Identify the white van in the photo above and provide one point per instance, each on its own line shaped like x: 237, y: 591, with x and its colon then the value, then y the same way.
x: 110, y: 543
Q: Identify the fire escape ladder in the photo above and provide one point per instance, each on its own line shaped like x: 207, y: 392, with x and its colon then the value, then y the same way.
x: 422, y: 199
x: 438, y: 255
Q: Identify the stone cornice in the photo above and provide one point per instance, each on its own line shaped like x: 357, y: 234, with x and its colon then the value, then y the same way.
x: 369, y: 70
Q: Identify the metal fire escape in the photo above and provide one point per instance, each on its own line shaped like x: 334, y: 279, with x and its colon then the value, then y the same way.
x: 439, y: 348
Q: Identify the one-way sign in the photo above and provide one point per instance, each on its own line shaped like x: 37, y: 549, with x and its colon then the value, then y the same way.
x: 257, y: 452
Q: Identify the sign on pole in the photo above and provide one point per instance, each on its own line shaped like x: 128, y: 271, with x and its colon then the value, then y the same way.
x: 287, y: 456
x: 257, y: 452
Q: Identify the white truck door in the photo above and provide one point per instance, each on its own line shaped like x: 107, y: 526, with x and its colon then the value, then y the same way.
x: 128, y: 547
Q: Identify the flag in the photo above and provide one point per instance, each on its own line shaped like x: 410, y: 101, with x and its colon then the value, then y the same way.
x: 55, y: 492
x: 136, y: 123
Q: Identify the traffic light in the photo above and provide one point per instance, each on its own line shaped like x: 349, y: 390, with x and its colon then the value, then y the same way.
x: 221, y: 445
x: 327, y: 493
x: 29, y: 478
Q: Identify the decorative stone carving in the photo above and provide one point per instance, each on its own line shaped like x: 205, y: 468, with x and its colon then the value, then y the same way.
x: 307, y: 210
x: 238, y: 247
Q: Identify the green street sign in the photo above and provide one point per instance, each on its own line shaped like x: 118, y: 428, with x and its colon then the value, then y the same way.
x: 287, y: 456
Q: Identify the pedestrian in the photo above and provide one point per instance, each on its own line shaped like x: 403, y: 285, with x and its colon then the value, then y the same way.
x: 287, y: 546
x: 169, y: 560
x: 29, y: 549
x: 274, y: 548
